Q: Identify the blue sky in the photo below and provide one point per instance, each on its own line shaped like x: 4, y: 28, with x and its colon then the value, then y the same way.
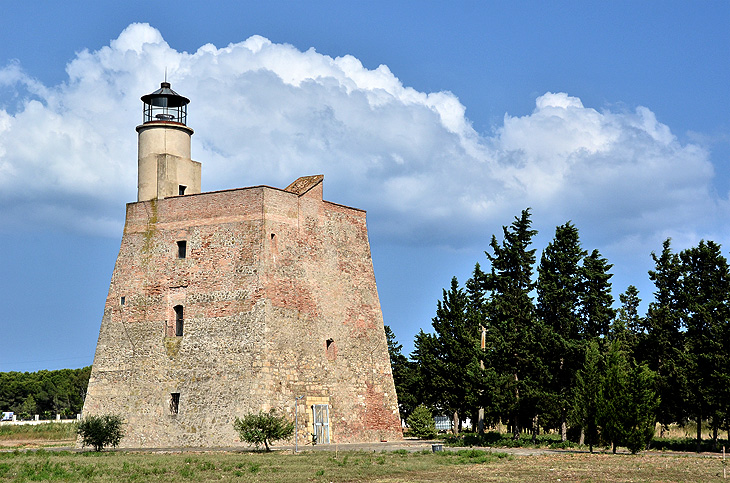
x: 441, y: 119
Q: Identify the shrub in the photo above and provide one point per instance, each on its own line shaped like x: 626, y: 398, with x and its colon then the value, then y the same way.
x: 101, y: 431
x: 262, y: 427
x: 421, y: 423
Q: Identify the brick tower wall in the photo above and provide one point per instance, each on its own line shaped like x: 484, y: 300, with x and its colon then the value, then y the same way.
x: 279, y: 301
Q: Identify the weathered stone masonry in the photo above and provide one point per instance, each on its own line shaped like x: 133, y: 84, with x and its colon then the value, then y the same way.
x: 279, y: 301
x: 237, y: 301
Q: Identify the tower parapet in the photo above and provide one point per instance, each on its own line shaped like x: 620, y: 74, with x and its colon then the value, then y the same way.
x: 165, y: 167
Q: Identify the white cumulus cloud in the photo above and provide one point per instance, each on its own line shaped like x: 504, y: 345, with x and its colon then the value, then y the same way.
x: 266, y: 113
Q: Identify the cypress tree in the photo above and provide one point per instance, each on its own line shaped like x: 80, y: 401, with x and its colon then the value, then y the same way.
x: 588, y: 383
x: 705, y: 291
x: 558, y: 304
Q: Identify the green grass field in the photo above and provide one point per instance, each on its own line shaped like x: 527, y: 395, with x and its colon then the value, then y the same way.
x: 399, y: 466
x: 323, y: 466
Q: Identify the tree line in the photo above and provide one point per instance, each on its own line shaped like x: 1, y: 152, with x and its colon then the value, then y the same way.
x: 45, y: 393
x: 539, y: 346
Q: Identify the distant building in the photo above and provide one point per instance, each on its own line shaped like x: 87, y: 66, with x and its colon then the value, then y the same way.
x: 233, y: 301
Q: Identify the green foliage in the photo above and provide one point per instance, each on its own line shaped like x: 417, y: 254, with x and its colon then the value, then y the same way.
x: 500, y: 440
x: 421, y: 423
x: 627, y: 328
x: 641, y: 412
x: 445, y: 358
x: 705, y: 303
x: 403, y: 375
x: 263, y: 428
x: 558, y: 305
x: 596, y: 299
x: 613, y: 397
x: 513, y: 332
x: 628, y: 402
x: 554, y: 351
x: 44, y: 392
x: 663, y: 348
x: 101, y: 431
x: 588, y: 383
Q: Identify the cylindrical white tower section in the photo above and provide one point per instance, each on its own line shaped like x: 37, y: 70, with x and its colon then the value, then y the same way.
x: 164, y: 137
x: 164, y: 165
x: 163, y: 149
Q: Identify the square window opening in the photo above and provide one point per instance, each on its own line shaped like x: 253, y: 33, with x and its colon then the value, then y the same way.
x: 181, y: 189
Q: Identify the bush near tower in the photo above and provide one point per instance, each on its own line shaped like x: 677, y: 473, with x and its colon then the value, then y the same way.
x: 262, y: 427
x: 100, y: 431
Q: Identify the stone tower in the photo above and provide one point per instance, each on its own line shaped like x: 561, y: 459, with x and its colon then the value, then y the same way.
x: 235, y: 301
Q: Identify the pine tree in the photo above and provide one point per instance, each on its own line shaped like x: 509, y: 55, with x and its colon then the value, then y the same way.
x: 596, y: 299
x: 514, y: 334
x: 402, y: 375
x: 481, y: 378
x: 446, y: 357
x: 628, y: 327
x: 664, y: 347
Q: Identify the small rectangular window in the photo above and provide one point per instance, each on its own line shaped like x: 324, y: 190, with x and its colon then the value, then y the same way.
x: 182, y: 247
x: 178, y: 320
x: 174, y: 402
x: 122, y: 300
x: 181, y: 189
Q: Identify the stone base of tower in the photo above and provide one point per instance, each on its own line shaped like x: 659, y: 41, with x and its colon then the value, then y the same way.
x: 237, y: 301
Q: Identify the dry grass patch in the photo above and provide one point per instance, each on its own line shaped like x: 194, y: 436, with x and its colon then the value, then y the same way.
x: 10, y: 433
x: 583, y: 467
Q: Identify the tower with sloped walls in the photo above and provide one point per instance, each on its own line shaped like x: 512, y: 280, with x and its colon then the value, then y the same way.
x: 235, y: 301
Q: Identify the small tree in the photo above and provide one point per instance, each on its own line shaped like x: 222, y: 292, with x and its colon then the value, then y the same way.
x: 101, y: 431
x: 262, y: 427
x: 642, y: 411
x: 421, y: 423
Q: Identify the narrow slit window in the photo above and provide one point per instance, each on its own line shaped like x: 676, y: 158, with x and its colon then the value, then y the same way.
x: 182, y: 249
x: 179, y: 320
x: 122, y: 300
x: 174, y: 403
x: 181, y: 189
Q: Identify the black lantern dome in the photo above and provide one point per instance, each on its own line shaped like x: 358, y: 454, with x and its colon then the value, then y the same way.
x: 165, y: 105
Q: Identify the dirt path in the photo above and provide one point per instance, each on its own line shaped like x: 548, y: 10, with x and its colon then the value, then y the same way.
x: 410, y: 445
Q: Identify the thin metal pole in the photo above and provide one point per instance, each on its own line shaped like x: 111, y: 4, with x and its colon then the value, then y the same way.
x: 296, y: 423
